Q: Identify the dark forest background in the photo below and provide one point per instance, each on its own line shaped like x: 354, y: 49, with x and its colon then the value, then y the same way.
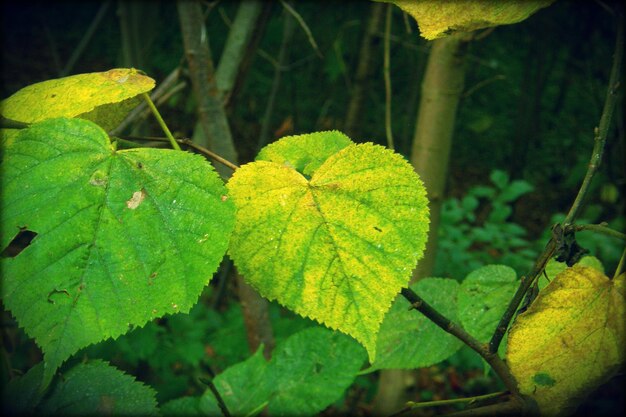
x: 534, y: 92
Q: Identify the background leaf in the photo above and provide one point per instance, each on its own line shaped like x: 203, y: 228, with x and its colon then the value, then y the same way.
x: 122, y: 237
x: 437, y: 18
x: 96, y: 388
x: 311, y: 370
x: 337, y: 248
x: 570, y: 340
x: 93, y: 388
x: 407, y: 339
x: 308, y: 372
x: 102, y: 97
x: 483, y: 298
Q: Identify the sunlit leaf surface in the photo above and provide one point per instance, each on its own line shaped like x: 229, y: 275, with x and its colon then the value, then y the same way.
x: 102, y: 97
x: 97, y: 240
x: 438, y: 18
x: 581, y: 316
x: 337, y: 247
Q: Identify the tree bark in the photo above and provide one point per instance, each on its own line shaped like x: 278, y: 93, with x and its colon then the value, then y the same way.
x: 353, y: 114
x: 217, y: 136
x: 214, y: 123
x: 441, y: 91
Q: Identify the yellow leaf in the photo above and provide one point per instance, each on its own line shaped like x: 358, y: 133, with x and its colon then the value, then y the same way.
x: 104, y: 98
x: 437, y: 18
x: 570, y: 340
x: 336, y: 247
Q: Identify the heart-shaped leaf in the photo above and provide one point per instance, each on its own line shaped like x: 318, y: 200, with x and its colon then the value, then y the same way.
x: 581, y: 313
x: 97, y: 240
x: 102, y: 97
x: 337, y: 247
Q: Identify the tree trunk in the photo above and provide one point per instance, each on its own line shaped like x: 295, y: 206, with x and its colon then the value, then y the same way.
x: 357, y: 96
x: 217, y: 131
x: 217, y: 136
x: 441, y: 90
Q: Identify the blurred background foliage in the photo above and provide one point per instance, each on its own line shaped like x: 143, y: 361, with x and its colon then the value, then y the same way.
x: 534, y: 92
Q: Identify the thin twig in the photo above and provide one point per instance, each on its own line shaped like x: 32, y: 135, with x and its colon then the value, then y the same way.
x: 469, y: 400
x: 598, y: 149
x: 189, y: 143
x: 304, y: 27
x: 387, y: 76
x: 496, y: 363
x: 216, y: 394
x: 91, y: 30
x: 600, y: 228
x: 161, y: 122
x: 602, y: 130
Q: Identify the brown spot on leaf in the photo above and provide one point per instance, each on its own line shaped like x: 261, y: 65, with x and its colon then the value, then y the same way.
x: 136, y: 199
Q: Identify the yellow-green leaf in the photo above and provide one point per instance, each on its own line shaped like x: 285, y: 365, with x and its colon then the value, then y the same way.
x: 337, y: 247
x: 570, y: 340
x: 438, y: 18
x: 105, y: 98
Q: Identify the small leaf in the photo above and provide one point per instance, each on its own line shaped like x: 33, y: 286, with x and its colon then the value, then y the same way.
x: 102, y: 97
x: 438, y: 18
x: 407, y: 339
x: 304, y: 153
x: 581, y: 315
x: 96, y: 388
x: 336, y: 248
x: 483, y: 298
x: 122, y: 237
x: 244, y: 387
x: 311, y: 370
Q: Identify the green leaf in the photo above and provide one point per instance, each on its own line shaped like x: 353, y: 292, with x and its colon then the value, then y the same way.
x: 102, y: 97
x: 581, y: 314
x: 22, y: 394
x: 96, y: 388
x: 121, y: 237
x: 244, y: 387
x: 336, y: 248
x: 438, y: 18
x: 304, y: 153
x: 311, y: 370
x: 483, y: 298
x: 515, y: 190
x: 407, y: 339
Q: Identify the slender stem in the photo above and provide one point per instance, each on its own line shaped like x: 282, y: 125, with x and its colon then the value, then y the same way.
x: 440, y: 403
x: 188, y: 142
x: 304, y: 27
x: 387, y: 76
x: 216, y: 394
x: 525, y: 284
x: 596, y: 156
x: 164, y: 127
x: 496, y: 363
x: 85, y: 39
x: 602, y: 130
x: 600, y: 228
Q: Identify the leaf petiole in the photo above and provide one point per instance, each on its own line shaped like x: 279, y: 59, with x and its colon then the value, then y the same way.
x: 164, y: 127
